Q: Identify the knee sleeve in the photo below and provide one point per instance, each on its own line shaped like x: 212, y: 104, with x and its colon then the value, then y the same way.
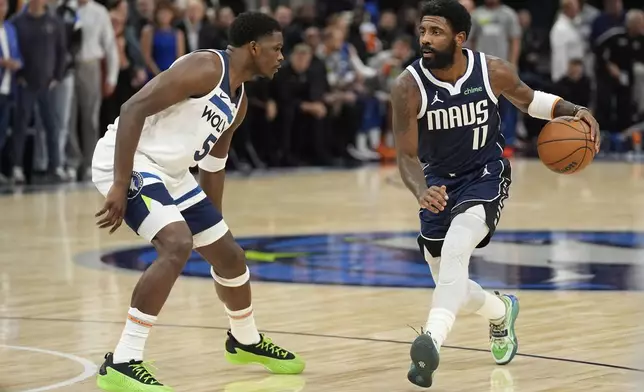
x: 234, y: 282
x: 433, y: 262
x: 466, y: 231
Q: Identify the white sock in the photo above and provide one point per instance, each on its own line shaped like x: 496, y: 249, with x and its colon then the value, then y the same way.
x: 439, y: 324
x: 242, y: 325
x: 135, y: 333
x: 493, y: 308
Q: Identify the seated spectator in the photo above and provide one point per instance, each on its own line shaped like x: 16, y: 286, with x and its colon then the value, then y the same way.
x: 298, y: 93
x: 575, y: 85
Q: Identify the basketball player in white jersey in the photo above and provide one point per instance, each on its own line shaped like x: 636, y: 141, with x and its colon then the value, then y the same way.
x: 185, y: 116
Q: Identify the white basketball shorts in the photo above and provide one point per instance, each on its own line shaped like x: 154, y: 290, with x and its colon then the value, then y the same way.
x: 156, y: 200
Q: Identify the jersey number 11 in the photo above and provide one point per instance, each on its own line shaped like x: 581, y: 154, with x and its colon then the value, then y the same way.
x: 477, y: 136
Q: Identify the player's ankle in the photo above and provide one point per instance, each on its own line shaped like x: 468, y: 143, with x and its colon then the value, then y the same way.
x: 242, y: 326
x: 134, y: 336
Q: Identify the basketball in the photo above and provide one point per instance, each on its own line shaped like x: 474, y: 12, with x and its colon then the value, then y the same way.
x: 564, y: 145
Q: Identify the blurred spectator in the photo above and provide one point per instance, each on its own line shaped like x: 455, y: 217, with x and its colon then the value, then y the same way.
x: 470, y: 7
x: 62, y: 94
x: 162, y: 43
x: 389, y: 64
x: 98, y: 44
x: 199, y: 33
x: 617, y: 52
x: 132, y: 73
x: 291, y: 33
x: 574, y: 85
x: 500, y: 35
x: 566, y: 41
x: 345, y: 75
x: 387, y: 29
x: 300, y: 128
x: 41, y: 36
x: 10, y: 62
x: 613, y: 16
x: 142, y: 16
x: 223, y: 19
x: 534, y: 60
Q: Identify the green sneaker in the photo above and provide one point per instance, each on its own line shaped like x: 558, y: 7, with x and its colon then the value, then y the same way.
x: 503, y: 341
x: 134, y: 376
x: 266, y: 353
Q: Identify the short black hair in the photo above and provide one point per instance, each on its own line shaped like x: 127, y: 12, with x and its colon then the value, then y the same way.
x: 250, y: 26
x: 455, y: 14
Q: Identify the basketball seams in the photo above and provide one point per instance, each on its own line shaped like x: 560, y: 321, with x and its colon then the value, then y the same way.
x: 568, y: 156
x: 566, y: 123
x: 559, y: 140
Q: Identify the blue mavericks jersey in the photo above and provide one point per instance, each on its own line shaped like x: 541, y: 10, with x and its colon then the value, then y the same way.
x: 459, y: 128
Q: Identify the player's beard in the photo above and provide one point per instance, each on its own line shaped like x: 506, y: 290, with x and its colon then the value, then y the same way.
x: 442, y: 58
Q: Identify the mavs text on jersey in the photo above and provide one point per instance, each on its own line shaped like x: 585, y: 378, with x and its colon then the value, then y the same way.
x: 460, y: 146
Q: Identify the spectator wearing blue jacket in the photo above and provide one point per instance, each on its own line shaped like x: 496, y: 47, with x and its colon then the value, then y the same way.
x: 10, y: 62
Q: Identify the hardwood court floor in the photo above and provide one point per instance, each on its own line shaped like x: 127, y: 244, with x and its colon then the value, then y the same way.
x: 60, y: 312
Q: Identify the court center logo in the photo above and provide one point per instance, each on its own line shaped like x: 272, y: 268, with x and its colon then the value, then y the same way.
x: 524, y: 260
x: 136, y: 184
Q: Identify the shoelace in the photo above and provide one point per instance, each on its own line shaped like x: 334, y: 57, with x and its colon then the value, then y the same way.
x: 421, y: 330
x: 144, y: 374
x: 268, y: 345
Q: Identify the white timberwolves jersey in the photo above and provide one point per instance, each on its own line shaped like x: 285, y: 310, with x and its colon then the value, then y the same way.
x: 178, y: 137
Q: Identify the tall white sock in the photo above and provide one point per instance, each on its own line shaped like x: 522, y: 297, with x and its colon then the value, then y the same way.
x: 242, y: 325
x: 439, y: 323
x: 136, y: 331
x: 453, y: 284
x: 492, y: 309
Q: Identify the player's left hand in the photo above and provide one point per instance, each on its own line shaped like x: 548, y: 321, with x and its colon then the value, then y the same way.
x: 595, y: 135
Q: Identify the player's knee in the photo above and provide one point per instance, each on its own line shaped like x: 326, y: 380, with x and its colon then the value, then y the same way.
x: 232, y: 262
x: 232, y: 272
x: 175, y: 248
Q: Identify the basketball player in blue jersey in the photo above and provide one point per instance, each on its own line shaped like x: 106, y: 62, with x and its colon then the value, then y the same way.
x: 184, y: 117
x: 449, y: 145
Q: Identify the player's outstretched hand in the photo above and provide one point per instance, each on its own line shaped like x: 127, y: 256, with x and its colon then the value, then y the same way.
x: 434, y: 199
x: 115, y: 204
x: 585, y: 116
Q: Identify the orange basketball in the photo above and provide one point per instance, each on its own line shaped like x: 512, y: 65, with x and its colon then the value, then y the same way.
x: 564, y: 145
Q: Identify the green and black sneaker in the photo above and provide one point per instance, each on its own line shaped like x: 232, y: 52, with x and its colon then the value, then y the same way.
x: 133, y: 376
x: 266, y: 353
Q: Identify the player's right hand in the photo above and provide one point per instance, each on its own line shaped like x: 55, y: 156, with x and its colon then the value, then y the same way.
x: 114, y: 206
x: 434, y: 199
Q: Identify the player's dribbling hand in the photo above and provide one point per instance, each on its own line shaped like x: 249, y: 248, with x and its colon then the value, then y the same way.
x: 585, y: 116
x: 434, y: 199
x: 114, y: 206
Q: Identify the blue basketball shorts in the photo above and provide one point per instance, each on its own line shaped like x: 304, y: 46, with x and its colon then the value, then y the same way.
x: 488, y: 186
x: 155, y: 200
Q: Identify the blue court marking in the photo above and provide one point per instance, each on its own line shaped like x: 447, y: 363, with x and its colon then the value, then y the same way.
x: 525, y: 260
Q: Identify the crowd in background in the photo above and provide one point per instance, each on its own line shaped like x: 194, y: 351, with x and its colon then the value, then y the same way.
x: 66, y: 67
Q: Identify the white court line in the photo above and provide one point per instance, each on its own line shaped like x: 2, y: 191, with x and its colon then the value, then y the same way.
x: 88, y: 371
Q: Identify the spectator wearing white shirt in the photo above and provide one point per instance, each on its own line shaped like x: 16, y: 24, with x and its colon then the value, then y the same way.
x: 566, y: 40
x: 98, y: 42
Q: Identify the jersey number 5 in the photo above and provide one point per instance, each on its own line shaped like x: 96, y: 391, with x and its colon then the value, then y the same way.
x: 475, y: 143
x: 205, y: 149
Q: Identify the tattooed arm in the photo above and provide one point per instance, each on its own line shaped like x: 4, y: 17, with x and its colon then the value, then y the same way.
x: 506, y: 82
x: 405, y: 101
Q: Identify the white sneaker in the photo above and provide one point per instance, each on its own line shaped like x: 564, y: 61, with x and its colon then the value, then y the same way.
x: 18, y: 175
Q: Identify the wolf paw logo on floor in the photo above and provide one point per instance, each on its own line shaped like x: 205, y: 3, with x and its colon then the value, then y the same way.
x: 526, y: 260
